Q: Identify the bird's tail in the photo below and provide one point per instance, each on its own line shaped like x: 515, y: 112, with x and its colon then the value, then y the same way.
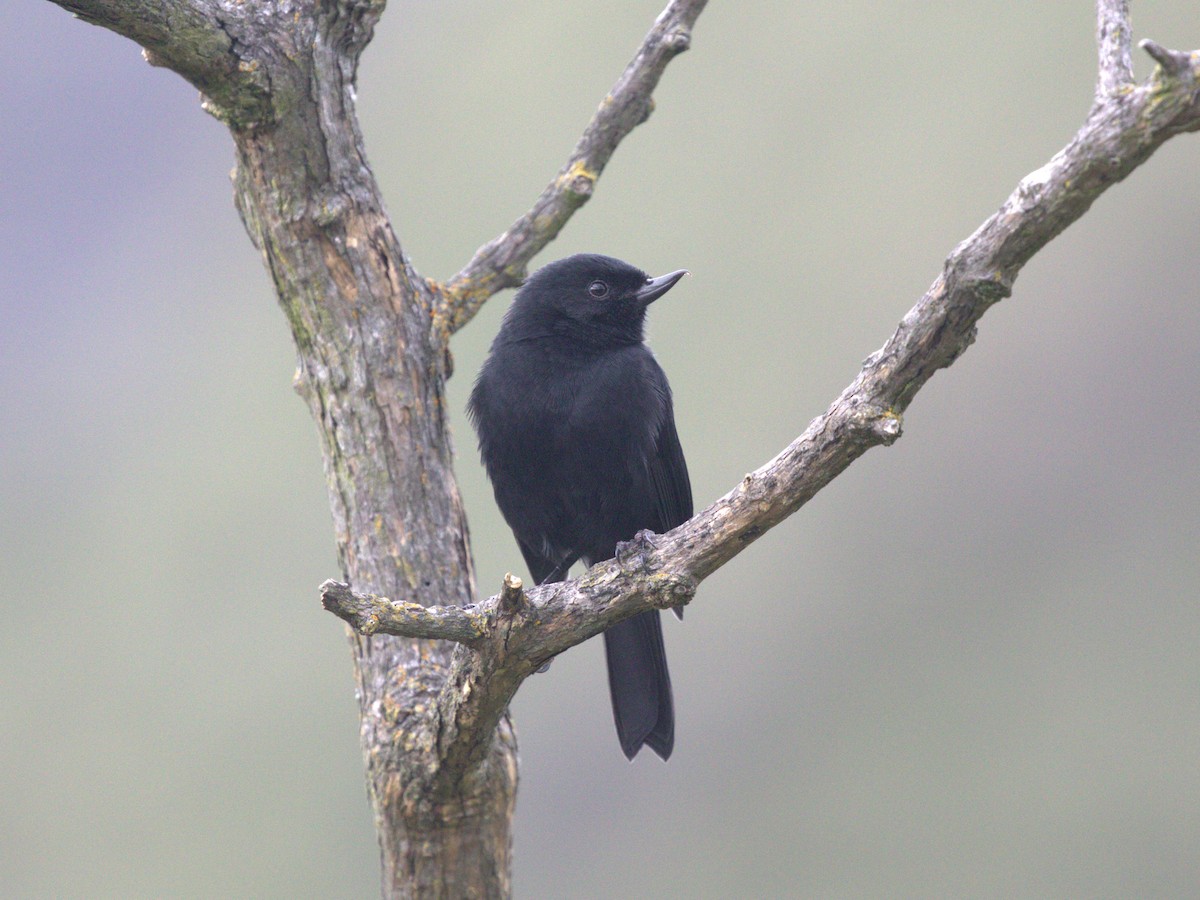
x: 640, y: 685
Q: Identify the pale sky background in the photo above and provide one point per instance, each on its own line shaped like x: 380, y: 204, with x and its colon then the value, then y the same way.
x: 969, y: 668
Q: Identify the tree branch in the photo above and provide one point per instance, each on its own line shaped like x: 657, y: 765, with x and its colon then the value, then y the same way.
x: 195, y: 39
x: 655, y: 572
x: 369, y: 614
x: 1114, y: 39
x: 534, y: 626
x: 501, y: 263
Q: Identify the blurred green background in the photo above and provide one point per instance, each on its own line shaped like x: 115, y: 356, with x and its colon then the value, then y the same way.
x: 969, y: 668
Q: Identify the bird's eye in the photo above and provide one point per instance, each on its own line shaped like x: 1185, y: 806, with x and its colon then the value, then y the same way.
x: 598, y: 289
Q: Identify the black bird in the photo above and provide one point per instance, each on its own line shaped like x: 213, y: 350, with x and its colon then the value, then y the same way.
x: 577, y: 433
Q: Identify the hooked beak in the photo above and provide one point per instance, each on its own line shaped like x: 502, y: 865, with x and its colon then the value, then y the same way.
x: 656, y: 287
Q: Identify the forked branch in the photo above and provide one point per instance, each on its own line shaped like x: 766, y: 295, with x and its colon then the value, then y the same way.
x: 1123, y: 130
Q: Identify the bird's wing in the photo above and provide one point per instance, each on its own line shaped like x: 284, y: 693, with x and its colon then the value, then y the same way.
x: 669, y: 477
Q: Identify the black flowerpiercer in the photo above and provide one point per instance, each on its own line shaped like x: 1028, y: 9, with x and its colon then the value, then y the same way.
x: 577, y: 433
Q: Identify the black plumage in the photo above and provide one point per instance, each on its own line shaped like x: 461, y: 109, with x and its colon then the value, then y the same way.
x: 577, y: 432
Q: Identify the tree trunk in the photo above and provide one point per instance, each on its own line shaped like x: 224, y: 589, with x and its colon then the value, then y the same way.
x: 373, y: 371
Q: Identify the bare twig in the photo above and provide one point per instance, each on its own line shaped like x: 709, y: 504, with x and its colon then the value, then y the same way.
x: 193, y: 38
x: 656, y: 572
x: 1176, y: 64
x: 512, y: 597
x: 501, y: 263
x: 369, y: 614
x: 1114, y: 40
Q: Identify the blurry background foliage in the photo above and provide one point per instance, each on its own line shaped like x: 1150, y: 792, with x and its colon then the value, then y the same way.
x: 968, y: 668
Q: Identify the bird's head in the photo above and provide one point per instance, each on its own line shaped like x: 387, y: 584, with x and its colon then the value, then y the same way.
x: 594, y: 299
